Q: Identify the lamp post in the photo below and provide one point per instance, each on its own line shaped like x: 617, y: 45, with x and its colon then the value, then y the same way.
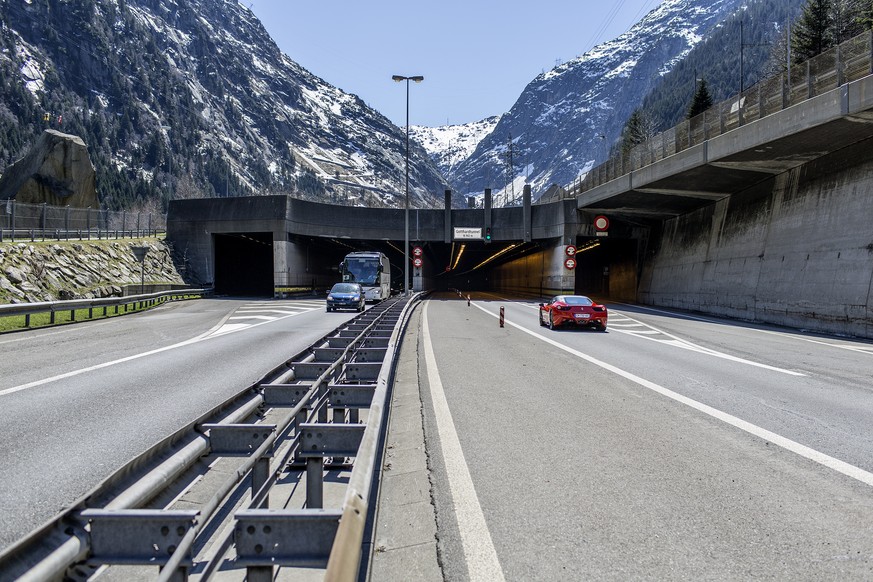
x: 417, y: 79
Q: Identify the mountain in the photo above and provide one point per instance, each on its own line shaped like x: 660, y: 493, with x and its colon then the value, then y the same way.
x: 192, y: 98
x: 566, y: 119
x: 449, y: 145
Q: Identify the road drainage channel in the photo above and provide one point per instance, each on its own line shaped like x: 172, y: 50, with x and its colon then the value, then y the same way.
x: 277, y: 479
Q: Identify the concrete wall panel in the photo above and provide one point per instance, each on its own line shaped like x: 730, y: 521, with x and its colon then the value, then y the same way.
x: 796, y: 250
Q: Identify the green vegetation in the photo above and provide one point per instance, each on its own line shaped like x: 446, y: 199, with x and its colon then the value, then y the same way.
x: 66, y: 316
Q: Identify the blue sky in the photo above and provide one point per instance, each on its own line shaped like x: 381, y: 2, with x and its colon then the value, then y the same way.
x: 476, y: 56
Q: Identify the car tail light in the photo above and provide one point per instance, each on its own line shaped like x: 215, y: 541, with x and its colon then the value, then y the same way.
x: 562, y: 307
x: 599, y: 308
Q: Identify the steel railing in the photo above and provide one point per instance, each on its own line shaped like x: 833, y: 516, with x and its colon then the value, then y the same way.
x: 843, y: 64
x: 53, y: 308
x: 23, y: 221
x: 280, y: 425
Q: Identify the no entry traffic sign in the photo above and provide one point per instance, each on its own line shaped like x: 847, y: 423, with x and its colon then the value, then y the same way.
x: 601, y: 223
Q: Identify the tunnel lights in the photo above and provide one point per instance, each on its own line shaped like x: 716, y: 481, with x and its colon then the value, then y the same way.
x: 592, y: 244
x: 494, y: 256
x: 458, y: 258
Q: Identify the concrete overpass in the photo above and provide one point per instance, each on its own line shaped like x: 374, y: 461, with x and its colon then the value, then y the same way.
x: 768, y: 222
x: 272, y: 244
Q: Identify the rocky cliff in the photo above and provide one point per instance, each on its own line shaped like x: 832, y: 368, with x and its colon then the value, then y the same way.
x: 56, y: 171
x: 50, y: 271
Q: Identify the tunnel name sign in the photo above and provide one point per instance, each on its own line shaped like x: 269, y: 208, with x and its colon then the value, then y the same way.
x: 461, y: 233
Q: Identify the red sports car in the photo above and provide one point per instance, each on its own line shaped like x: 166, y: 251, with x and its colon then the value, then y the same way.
x: 575, y: 309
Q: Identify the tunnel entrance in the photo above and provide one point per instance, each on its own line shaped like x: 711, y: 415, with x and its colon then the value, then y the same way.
x: 607, y: 268
x: 244, y: 264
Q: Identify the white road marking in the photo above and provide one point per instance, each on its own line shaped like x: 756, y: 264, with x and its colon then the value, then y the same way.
x: 787, y: 444
x: 627, y: 325
x: 685, y: 344
x: 479, y: 552
x: 864, y: 349
x: 224, y: 330
x: 250, y: 310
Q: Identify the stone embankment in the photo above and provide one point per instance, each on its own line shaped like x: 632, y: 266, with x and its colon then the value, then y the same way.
x: 51, y: 271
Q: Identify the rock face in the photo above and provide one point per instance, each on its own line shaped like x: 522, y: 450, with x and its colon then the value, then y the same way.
x: 57, y: 171
x: 33, y: 272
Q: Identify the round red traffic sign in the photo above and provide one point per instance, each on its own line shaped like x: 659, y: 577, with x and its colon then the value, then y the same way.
x: 416, y: 251
x: 601, y: 223
x: 417, y: 261
x: 570, y: 263
x: 570, y: 250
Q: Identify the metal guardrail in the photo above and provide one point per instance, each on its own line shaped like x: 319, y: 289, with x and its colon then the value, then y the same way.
x: 304, y: 417
x: 55, y: 307
x: 20, y: 220
x: 36, y: 234
x: 843, y: 64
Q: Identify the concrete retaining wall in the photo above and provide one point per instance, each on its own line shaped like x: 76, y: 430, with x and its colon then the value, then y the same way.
x: 796, y: 250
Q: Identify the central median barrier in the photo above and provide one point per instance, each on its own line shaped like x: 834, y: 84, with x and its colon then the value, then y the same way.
x: 283, y: 475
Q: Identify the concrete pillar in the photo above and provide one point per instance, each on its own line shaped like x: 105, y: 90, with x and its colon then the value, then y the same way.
x: 526, y: 212
x: 448, y: 217
x: 290, y: 268
x: 486, y: 204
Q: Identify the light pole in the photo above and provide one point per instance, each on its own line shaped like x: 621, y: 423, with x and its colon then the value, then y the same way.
x: 417, y: 79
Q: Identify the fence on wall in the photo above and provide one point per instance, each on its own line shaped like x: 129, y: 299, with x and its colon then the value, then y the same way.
x: 20, y: 221
x: 842, y: 64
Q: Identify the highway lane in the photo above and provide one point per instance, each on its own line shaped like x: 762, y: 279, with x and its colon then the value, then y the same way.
x: 78, y: 402
x: 581, y: 469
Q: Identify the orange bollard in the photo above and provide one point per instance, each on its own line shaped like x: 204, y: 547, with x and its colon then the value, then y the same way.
x: 468, y: 301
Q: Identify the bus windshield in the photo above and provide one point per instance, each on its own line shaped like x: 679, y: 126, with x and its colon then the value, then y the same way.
x: 361, y: 270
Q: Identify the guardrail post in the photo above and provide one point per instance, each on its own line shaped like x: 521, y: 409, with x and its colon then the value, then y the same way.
x: 260, y: 476
x: 314, y: 483
x: 810, y: 89
x: 302, y: 414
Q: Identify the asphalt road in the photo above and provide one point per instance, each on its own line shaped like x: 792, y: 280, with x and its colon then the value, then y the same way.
x: 668, y: 447
x: 77, y: 402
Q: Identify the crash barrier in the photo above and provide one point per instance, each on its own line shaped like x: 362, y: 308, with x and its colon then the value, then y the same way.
x: 117, y: 304
x: 847, y: 62
x: 304, y: 418
x: 32, y: 222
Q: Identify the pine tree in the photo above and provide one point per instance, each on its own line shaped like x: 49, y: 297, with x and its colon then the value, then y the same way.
x: 848, y: 18
x: 702, y: 100
x: 638, y: 129
x: 813, y: 33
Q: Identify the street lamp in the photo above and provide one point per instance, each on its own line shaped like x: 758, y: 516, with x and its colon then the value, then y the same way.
x: 417, y: 79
